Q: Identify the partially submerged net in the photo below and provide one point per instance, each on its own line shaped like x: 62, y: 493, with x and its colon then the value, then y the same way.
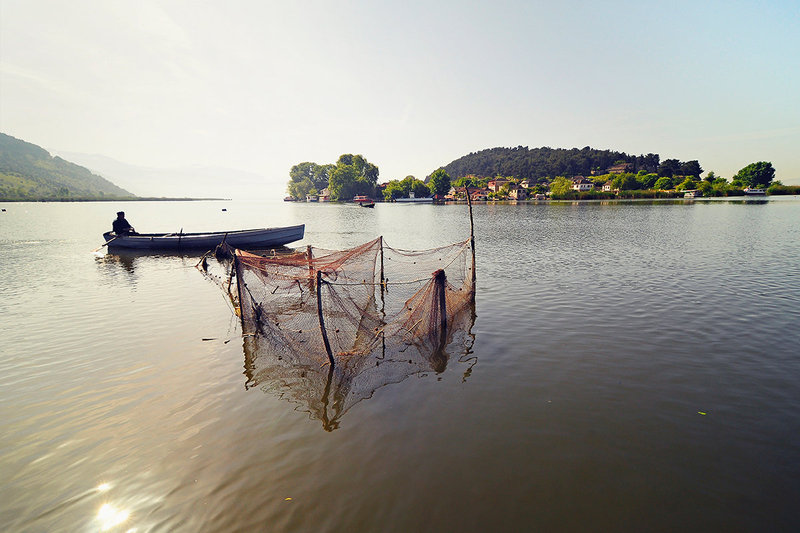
x: 327, y: 328
x: 328, y: 306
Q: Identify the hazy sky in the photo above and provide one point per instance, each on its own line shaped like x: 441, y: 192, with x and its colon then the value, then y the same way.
x: 263, y: 85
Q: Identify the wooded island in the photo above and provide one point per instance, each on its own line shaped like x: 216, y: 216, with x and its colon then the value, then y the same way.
x: 540, y: 173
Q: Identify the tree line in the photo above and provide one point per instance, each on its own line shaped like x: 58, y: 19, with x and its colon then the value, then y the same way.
x: 353, y: 175
x: 350, y: 176
x: 545, y: 170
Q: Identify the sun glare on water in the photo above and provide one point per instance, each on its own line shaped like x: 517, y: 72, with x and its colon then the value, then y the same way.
x: 109, y: 516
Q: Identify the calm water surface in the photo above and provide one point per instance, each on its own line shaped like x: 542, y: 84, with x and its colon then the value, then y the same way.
x: 635, y: 367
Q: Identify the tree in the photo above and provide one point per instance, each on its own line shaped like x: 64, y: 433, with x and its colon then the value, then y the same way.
x: 307, y: 177
x: 710, y: 177
x: 393, y: 190
x: 352, y: 175
x: 299, y: 189
x: 669, y: 168
x: 439, y: 182
x: 560, y: 185
x: 663, y: 184
x: 756, y: 175
x: 691, y: 168
x: 420, y: 189
x: 403, y: 188
x: 625, y: 182
x: 647, y: 180
x: 687, y: 184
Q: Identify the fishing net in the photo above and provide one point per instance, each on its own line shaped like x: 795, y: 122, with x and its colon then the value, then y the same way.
x: 326, y: 328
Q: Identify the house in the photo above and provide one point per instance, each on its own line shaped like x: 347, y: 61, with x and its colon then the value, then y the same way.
x: 312, y: 198
x: 517, y: 193
x: 579, y: 183
x: 495, y: 184
x: 620, y: 168
x: 479, y: 195
x: 325, y: 195
x: 607, y: 186
x: 526, y: 184
x: 456, y: 193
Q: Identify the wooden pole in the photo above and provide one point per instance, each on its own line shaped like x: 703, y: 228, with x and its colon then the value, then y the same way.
x: 322, y: 329
x: 472, y: 239
x: 383, y: 283
x: 239, y: 284
x: 310, y: 267
x: 382, y: 278
x: 440, y: 281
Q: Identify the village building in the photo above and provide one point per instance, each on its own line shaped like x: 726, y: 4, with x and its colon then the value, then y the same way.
x: 517, y: 193
x: 621, y: 168
x: 479, y: 195
x: 495, y: 184
x: 579, y: 183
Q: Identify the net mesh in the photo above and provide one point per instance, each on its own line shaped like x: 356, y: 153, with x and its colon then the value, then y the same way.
x: 326, y: 328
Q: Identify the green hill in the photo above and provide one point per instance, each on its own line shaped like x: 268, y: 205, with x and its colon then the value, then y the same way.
x: 537, y: 164
x: 29, y: 172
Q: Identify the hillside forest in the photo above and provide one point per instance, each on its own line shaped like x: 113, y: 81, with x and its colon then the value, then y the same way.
x: 29, y: 172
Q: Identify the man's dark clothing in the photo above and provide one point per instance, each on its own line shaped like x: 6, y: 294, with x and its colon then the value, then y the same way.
x: 121, y: 226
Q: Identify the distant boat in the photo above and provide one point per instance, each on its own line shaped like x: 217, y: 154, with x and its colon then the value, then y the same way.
x: 369, y: 203
x: 413, y: 199
x: 289, y: 199
x: 312, y: 198
x: 692, y: 194
x: 363, y: 199
x: 754, y: 192
x: 251, y: 239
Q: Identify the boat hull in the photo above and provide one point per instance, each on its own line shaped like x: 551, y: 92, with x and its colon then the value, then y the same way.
x: 414, y: 200
x: 244, y: 239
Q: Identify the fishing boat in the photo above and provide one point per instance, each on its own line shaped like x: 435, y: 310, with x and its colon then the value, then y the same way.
x: 251, y: 239
x: 749, y: 191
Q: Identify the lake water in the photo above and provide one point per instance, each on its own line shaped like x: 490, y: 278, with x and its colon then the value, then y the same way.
x: 634, y: 367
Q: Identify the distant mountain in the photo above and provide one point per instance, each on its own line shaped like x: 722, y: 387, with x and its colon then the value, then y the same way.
x: 29, y: 172
x: 538, y: 163
x: 182, y: 182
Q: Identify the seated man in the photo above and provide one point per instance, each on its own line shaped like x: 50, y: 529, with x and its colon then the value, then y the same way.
x: 120, y: 226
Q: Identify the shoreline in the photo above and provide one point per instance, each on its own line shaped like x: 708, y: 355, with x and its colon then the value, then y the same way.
x: 125, y: 199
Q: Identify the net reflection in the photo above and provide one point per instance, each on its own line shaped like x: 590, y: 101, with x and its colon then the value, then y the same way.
x: 326, y: 392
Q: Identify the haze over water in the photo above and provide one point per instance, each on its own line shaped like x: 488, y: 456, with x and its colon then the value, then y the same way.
x: 634, y: 367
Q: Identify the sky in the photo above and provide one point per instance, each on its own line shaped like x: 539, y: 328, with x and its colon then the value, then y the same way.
x: 260, y: 86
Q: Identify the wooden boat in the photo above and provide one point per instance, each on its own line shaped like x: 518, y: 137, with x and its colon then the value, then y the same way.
x: 251, y: 239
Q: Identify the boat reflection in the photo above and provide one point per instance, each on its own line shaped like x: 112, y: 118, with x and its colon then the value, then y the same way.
x: 129, y: 260
x: 326, y: 393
